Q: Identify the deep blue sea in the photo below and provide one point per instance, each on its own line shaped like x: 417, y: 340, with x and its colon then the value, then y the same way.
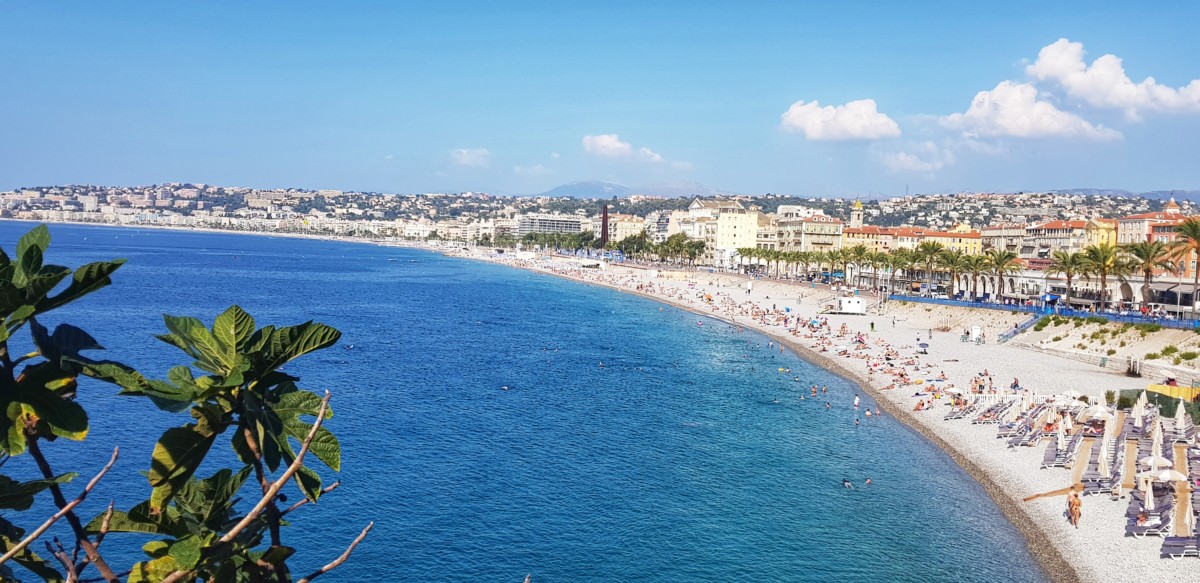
x: 687, y: 457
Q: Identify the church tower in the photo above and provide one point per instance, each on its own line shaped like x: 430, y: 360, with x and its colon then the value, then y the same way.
x: 856, y: 215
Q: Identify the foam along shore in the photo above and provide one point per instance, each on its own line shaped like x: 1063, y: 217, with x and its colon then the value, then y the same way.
x: 1098, y: 550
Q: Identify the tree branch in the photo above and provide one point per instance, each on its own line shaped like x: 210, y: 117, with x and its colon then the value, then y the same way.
x: 63, y: 559
x: 272, y: 491
x: 104, y: 524
x: 304, y: 501
x: 277, y: 485
x: 81, y: 537
x: 64, y: 510
x: 341, y: 558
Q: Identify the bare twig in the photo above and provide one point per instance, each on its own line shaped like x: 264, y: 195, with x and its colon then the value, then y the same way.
x: 268, y: 496
x: 304, y: 501
x: 341, y: 558
x: 81, y: 536
x: 277, y: 485
x: 63, y: 511
x: 64, y: 559
x: 104, y: 524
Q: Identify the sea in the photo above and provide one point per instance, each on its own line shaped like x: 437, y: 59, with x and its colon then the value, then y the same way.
x: 497, y: 423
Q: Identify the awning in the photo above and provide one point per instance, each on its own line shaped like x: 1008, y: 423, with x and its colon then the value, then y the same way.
x: 1182, y: 288
x: 1051, y: 298
x: 1083, y: 301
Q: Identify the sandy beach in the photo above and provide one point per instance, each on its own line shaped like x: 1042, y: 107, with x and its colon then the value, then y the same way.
x: 1096, y: 551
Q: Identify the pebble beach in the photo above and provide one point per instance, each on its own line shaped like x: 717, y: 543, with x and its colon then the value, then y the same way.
x: 1097, y: 550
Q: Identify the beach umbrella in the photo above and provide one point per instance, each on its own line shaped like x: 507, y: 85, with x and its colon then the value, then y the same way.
x: 1102, y: 460
x: 1180, y: 416
x: 1189, y: 518
x: 1156, y: 461
x: 1164, y: 475
x: 1147, y: 493
x: 1072, y: 393
x: 954, y: 390
x: 1071, y: 404
x: 1097, y: 413
x: 1062, y: 436
x: 1068, y: 422
x: 1156, y: 437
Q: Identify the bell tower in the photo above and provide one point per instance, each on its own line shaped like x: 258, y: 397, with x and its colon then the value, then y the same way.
x: 856, y: 215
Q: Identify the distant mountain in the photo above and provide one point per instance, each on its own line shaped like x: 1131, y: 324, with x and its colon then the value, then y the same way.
x: 587, y: 189
x: 597, y: 189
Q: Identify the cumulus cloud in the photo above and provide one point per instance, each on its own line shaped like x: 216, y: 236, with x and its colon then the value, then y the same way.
x: 1104, y: 83
x: 471, y: 157
x: 925, y: 157
x: 609, y: 145
x: 856, y: 120
x: 535, y: 170
x: 649, y: 155
x: 1014, y: 110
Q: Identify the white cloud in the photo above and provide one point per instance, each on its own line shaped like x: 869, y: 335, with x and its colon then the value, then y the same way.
x: 471, y: 157
x: 611, y: 146
x: 535, y: 170
x: 389, y: 157
x: 606, y: 145
x: 1104, y: 83
x: 857, y: 120
x: 1014, y: 110
x: 649, y: 155
x: 555, y: 155
x: 924, y: 157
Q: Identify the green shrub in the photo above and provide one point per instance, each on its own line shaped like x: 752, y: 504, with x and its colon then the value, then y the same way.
x: 1152, y: 356
x: 1085, y: 399
x: 1124, y: 402
x: 1097, y: 320
x: 1176, y: 361
x: 1144, y: 328
x: 1189, y: 355
x: 1170, y: 349
x: 1122, y: 344
x: 1111, y: 351
x: 1109, y: 397
x: 1056, y: 338
x: 1078, y: 323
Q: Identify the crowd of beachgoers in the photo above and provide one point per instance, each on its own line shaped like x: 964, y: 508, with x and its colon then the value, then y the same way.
x: 1109, y: 490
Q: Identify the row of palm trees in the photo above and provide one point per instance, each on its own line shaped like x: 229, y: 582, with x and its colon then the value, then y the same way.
x: 1103, y: 261
x: 928, y: 259
x: 1141, y: 259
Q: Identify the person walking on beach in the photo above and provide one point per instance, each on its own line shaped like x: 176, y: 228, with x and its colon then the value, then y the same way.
x: 1074, y: 508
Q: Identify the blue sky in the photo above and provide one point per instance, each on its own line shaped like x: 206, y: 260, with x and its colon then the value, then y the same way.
x: 520, y: 97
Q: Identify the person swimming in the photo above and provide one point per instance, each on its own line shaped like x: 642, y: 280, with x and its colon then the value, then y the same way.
x: 846, y: 484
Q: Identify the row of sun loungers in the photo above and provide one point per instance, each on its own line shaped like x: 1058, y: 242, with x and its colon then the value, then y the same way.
x: 1064, y: 457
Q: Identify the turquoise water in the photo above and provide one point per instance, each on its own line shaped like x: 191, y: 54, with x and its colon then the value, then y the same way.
x: 686, y: 457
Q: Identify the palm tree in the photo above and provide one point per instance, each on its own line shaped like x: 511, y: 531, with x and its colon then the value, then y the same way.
x: 907, y: 260
x: 1187, y: 245
x: 975, y: 265
x: 804, y: 258
x: 820, y: 258
x: 857, y: 256
x: 1002, y: 262
x: 951, y: 260
x: 927, y: 253
x: 876, y: 259
x: 1069, y: 264
x: 747, y: 253
x: 1104, y: 260
x: 1146, y: 257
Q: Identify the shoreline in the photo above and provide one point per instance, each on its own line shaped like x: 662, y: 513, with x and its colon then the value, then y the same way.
x: 1063, y: 556
x: 1040, y: 544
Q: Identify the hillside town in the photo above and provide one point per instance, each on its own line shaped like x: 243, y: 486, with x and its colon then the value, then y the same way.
x: 1044, y: 236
